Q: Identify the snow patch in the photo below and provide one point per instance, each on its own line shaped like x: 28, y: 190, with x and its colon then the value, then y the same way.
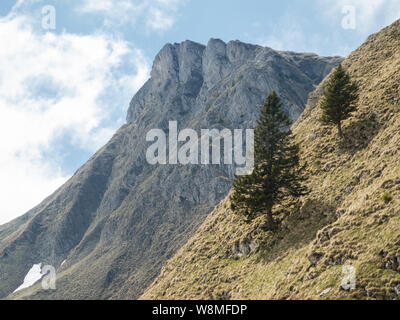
x: 33, y: 276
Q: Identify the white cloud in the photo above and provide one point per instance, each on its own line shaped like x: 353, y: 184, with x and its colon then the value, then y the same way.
x: 54, y: 87
x: 287, y: 36
x: 290, y: 35
x: 293, y: 33
x: 369, y: 13
x: 293, y: 38
x: 156, y: 15
x: 158, y: 20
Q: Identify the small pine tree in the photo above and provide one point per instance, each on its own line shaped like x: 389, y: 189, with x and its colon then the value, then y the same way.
x: 276, y: 173
x: 339, y: 99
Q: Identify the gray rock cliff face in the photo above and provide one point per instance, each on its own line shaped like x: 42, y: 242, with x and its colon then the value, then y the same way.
x: 118, y: 219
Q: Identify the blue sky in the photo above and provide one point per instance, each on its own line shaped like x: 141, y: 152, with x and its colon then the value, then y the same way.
x: 64, y: 91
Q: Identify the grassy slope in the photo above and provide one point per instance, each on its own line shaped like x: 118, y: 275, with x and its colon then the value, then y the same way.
x: 344, y: 220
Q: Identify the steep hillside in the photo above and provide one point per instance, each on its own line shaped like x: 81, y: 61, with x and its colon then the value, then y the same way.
x: 351, y: 218
x: 118, y: 219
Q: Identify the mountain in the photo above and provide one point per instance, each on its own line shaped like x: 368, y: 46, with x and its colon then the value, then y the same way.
x: 342, y: 241
x: 111, y: 227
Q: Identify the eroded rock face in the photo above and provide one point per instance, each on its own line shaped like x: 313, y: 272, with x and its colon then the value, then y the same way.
x: 118, y: 219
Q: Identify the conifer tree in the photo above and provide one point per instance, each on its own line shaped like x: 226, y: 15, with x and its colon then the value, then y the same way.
x: 276, y: 173
x: 339, y: 99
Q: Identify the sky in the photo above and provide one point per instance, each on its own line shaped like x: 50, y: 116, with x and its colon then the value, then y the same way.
x: 69, y: 68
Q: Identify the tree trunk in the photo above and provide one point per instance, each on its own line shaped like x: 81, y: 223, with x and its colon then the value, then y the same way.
x: 339, y: 126
x: 270, y: 220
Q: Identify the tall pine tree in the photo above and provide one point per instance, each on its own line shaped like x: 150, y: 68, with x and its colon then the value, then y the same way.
x: 276, y: 173
x: 339, y: 99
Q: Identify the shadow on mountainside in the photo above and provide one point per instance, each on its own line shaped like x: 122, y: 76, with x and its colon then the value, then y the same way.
x: 359, y: 133
x: 297, y: 228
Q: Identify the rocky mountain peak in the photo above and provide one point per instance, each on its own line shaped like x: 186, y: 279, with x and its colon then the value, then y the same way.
x: 187, y: 60
x: 185, y: 72
x: 178, y: 62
